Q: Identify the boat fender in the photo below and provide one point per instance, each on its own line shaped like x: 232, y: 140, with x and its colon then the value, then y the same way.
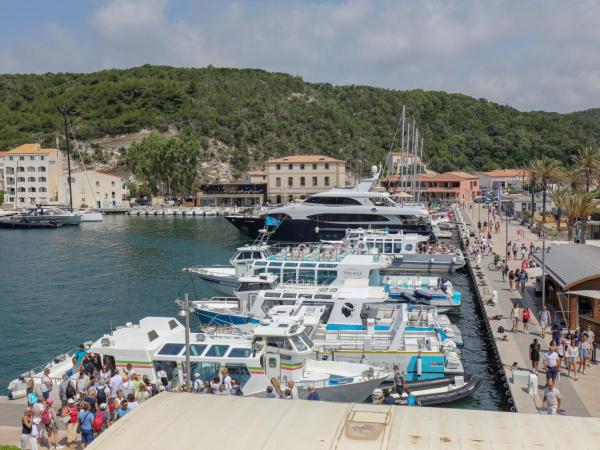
x: 419, y: 366
x: 376, y: 396
x: 14, y: 395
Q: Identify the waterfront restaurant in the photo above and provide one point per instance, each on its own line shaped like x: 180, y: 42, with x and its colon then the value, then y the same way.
x: 573, y: 283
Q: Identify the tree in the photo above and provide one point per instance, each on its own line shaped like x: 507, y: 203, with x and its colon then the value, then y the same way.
x: 561, y: 198
x: 545, y: 171
x: 1, y: 197
x: 587, y: 161
x: 585, y: 204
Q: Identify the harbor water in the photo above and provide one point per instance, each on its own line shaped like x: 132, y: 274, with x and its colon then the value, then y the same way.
x: 61, y: 287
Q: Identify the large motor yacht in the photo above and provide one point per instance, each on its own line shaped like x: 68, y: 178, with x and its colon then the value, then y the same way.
x: 328, y: 215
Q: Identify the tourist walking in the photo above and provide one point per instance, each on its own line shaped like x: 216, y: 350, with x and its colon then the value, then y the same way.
x: 552, y: 399
x: 544, y: 320
x: 83, y: 383
x: 86, y: 420
x: 522, y: 279
x: 31, y: 392
x: 73, y: 413
x: 534, y: 355
x: 592, y: 341
x: 504, y: 270
x: 26, y: 430
x: 556, y: 332
x: 585, y: 351
x: 526, y: 316
x: 561, y: 350
x: 116, y: 381
x: 508, y: 249
x: 51, y: 423
x: 551, y: 361
x: 46, y: 384
x: 572, y: 356
x: 517, y: 279
x: 515, y: 250
x: 514, y: 316
x: 410, y: 398
x: 511, y: 280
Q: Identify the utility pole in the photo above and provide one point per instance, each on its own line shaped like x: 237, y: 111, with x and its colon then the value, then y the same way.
x: 68, y: 160
x: 184, y: 310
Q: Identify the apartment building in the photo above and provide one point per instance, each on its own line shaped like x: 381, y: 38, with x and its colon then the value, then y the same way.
x: 92, y: 189
x: 30, y: 175
x: 504, y: 179
x: 294, y: 178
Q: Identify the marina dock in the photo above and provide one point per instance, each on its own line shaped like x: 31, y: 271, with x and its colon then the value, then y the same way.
x: 173, y: 420
x: 580, y: 398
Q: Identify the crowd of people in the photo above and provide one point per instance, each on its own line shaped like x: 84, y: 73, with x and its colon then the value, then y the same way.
x: 89, y: 403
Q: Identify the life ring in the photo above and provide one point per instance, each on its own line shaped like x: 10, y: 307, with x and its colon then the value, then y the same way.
x: 361, y: 246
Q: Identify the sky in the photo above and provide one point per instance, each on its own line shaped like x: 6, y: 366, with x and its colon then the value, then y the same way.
x: 533, y: 55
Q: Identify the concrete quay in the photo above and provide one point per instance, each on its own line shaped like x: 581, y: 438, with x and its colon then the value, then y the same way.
x: 579, y: 398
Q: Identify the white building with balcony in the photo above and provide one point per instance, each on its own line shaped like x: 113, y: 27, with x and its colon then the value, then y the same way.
x: 30, y: 175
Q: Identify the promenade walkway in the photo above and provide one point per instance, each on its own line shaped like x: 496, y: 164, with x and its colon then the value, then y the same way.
x: 580, y: 398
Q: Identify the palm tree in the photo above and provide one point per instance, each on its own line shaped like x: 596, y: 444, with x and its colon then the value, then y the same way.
x: 587, y: 160
x: 560, y: 198
x: 572, y: 178
x: 585, y: 204
x: 545, y: 171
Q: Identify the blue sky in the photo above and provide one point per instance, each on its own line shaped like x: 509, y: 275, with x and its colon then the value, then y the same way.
x: 530, y: 54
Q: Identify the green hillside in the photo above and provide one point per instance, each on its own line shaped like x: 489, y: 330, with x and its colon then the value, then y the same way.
x: 258, y: 115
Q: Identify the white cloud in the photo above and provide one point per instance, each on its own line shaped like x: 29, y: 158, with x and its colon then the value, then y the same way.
x: 532, y: 55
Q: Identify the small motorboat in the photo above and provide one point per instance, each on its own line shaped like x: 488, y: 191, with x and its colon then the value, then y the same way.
x: 437, y: 391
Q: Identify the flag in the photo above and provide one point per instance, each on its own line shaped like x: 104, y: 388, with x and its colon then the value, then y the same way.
x: 272, y: 221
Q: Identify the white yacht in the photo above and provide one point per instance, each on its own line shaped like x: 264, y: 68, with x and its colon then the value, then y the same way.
x: 327, y: 215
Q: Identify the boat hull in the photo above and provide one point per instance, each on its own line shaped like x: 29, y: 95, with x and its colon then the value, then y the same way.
x: 305, y: 230
x: 344, y: 393
x: 222, y: 285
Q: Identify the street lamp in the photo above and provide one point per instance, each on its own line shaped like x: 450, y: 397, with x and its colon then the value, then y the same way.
x: 543, y: 272
x: 184, y: 311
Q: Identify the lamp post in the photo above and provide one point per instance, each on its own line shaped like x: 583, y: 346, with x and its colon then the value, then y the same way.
x: 184, y: 311
x: 543, y: 272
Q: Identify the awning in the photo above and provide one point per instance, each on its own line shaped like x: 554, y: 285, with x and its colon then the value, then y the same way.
x: 586, y: 293
x: 534, y: 272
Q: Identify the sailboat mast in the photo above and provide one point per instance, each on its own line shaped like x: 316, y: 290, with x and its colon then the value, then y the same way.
x: 420, y: 162
x: 401, y: 165
x: 68, y: 159
x: 414, y: 164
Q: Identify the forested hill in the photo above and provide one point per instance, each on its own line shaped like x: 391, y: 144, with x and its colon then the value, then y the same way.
x: 257, y: 115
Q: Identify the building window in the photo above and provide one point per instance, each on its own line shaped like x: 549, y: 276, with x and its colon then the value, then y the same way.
x: 290, y: 166
x: 42, y: 157
x: 21, y: 189
x: 21, y: 179
x: 41, y: 169
x: 112, y: 183
x: 31, y: 179
x: 315, y: 181
x: 97, y: 183
x: 326, y: 166
x: 42, y: 179
x: 21, y: 158
x: 72, y: 180
x: 10, y: 158
x: 43, y: 189
x: 31, y: 189
x: 278, y: 182
x: 314, y: 166
x: 301, y: 166
x: 326, y: 181
x: 302, y: 181
x: 290, y: 181
x: 278, y: 166
x: 113, y: 195
x: 11, y: 199
x: 31, y: 169
x: 32, y: 158
x: 20, y: 169
x: 21, y: 199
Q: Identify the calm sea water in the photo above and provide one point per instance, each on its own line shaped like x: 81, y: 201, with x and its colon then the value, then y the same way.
x: 61, y: 287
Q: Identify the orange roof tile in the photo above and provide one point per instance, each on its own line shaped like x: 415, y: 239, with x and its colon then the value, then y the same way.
x: 305, y: 159
x: 29, y: 149
x: 448, y: 176
x: 508, y: 173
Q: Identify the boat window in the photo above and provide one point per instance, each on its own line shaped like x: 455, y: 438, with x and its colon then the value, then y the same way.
x: 339, y: 217
x: 260, y: 263
x: 305, y: 296
x: 290, y: 264
x: 171, y: 349
x: 206, y: 370
x: 388, y: 247
x: 275, y: 264
x: 274, y: 271
x: 240, y: 353
x: 299, y: 343
x: 279, y: 342
x: 217, y: 350
x: 272, y: 294
x: 289, y: 295
x: 244, y: 287
x: 306, y: 339
x: 197, y: 349
x: 306, y: 276
x: 288, y: 275
x: 308, y: 265
x: 327, y: 266
x: 256, y: 255
x: 169, y: 367
x: 268, y: 304
x: 239, y: 372
x: 397, y: 247
x: 332, y: 201
x: 308, y: 329
x: 322, y: 297
x: 326, y: 276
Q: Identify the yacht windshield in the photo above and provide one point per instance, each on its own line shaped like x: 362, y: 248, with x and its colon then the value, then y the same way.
x: 382, y: 201
x: 299, y: 343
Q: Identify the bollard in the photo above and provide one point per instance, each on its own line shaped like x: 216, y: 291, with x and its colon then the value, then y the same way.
x: 495, y: 297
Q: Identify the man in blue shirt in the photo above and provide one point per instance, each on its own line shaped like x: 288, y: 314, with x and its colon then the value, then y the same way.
x: 387, y: 398
x: 410, y: 399
x: 124, y: 409
x: 86, y: 420
x: 312, y: 393
x: 270, y: 393
x: 79, y: 355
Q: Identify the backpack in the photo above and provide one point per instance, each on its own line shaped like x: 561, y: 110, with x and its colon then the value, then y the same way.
x: 98, y: 420
x: 70, y: 391
x: 526, y: 315
x: 101, y: 396
x: 46, y: 419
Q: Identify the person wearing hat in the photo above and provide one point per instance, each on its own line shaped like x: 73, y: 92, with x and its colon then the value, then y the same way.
x: 198, y: 383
